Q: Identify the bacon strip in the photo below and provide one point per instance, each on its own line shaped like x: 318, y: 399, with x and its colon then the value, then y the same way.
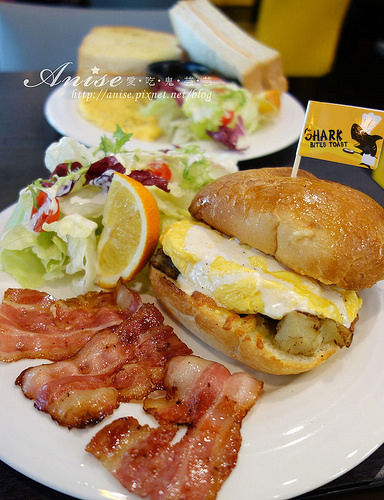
x: 121, y: 364
x: 34, y: 324
x: 213, y: 402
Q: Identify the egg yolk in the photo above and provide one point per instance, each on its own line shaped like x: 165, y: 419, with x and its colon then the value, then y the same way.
x: 246, y: 281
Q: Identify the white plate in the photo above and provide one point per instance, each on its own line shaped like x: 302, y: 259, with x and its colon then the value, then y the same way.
x: 61, y: 112
x: 303, y: 432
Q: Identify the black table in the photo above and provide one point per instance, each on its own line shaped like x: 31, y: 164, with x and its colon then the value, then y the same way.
x: 24, y: 136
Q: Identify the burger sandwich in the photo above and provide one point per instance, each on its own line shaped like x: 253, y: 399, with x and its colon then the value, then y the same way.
x: 268, y: 267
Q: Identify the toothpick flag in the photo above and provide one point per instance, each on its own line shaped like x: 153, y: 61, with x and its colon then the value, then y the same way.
x: 342, y: 134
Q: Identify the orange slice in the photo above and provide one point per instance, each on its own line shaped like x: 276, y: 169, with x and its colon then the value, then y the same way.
x: 269, y: 102
x: 131, y: 228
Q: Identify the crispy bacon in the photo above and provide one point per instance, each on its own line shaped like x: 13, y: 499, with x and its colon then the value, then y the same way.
x: 121, y: 364
x: 212, y: 402
x: 133, y: 453
x: 34, y: 324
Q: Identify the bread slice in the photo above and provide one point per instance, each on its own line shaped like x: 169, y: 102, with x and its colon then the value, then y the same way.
x: 211, y: 38
x: 124, y: 51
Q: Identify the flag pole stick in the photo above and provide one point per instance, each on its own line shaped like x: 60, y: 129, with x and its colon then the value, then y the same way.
x: 296, y: 165
x: 297, y: 161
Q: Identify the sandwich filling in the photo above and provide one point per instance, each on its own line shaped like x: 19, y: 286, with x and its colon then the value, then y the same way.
x: 247, y: 281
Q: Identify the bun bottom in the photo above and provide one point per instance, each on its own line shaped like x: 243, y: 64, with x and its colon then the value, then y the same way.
x: 248, y: 339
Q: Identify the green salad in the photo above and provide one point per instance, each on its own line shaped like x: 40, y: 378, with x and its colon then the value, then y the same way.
x: 54, y: 229
x: 204, y: 109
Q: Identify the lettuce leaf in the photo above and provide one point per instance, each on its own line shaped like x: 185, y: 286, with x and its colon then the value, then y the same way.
x: 79, y: 235
x: 31, y: 258
x: 67, y: 247
x: 114, y: 144
x: 200, y: 111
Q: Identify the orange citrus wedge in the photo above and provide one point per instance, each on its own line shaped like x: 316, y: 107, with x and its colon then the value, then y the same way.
x: 131, y: 228
x: 269, y: 102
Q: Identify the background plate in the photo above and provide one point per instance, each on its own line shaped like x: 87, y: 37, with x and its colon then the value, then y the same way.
x: 62, y: 114
x: 303, y: 432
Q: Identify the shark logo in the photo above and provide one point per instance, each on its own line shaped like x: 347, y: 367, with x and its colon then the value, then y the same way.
x: 366, y: 143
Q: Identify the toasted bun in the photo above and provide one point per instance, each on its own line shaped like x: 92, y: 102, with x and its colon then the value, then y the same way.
x: 124, y: 51
x: 318, y: 228
x: 248, y: 339
x: 209, y: 37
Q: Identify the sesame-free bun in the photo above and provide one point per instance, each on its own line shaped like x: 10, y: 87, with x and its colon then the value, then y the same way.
x: 318, y: 228
x: 246, y: 338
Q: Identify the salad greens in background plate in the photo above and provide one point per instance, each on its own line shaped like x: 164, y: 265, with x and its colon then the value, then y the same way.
x: 55, y: 226
x: 210, y: 109
x: 61, y: 112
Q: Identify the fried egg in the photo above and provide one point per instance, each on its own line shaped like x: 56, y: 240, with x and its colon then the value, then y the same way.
x: 247, y: 281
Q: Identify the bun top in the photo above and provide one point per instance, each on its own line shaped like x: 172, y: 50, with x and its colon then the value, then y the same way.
x: 318, y: 228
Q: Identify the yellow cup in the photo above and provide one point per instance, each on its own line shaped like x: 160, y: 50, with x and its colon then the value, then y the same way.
x: 306, y: 33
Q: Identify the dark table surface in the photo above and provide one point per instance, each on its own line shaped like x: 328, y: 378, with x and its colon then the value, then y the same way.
x: 25, y: 134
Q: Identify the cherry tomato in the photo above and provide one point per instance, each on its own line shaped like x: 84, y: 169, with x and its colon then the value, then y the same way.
x: 227, y: 117
x: 44, y: 216
x: 160, y: 169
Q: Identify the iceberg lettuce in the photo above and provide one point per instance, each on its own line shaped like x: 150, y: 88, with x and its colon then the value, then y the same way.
x: 196, y: 110
x: 77, y: 186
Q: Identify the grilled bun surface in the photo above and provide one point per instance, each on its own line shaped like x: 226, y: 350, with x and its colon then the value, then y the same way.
x: 321, y: 229
x: 266, y: 270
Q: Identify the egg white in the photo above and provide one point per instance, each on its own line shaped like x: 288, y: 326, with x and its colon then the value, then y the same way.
x: 247, y: 281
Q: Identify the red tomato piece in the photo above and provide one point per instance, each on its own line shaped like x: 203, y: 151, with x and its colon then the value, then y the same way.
x: 44, y: 214
x: 160, y: 169
x: 227, y: 117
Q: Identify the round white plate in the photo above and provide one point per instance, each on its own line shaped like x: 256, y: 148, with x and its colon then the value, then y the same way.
x: 61, y: 112
x: 303, y: 431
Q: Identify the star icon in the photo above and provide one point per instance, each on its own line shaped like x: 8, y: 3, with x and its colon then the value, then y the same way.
x: 95, y: 70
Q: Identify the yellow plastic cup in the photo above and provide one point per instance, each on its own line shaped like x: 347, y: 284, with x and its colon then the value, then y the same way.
x: 306, y: 33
